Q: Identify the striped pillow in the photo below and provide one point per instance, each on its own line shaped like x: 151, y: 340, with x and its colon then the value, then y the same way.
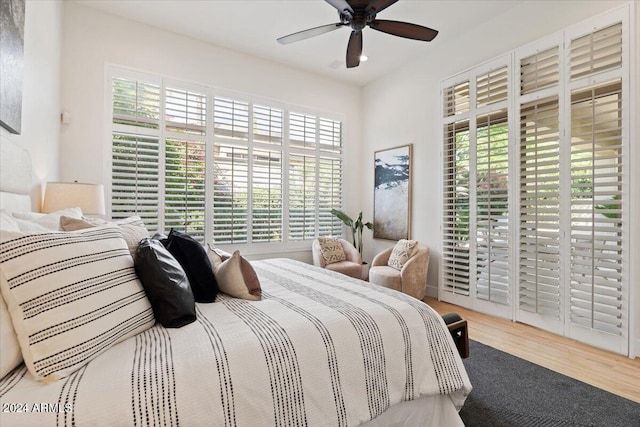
x: 71, y: 296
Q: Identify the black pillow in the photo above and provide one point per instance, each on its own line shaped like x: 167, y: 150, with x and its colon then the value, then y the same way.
x: 193, y: 258
x: 165, y: 284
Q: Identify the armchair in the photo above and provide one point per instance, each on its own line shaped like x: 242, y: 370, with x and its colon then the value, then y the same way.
x: 351, y: 266
x: 411, y: 280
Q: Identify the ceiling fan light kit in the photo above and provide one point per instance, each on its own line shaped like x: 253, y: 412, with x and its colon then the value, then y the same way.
x: 358, y: 14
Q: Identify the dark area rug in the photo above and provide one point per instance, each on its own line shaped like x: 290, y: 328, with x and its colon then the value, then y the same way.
x: 508, y: 391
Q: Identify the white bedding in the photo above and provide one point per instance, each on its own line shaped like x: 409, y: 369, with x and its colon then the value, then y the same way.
x: 320, y: 349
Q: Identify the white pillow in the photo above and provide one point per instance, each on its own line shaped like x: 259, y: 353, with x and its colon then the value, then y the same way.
x: 7, y: 222
x: 10, y: 354
x: 33, y: 222
x: 71, y: 296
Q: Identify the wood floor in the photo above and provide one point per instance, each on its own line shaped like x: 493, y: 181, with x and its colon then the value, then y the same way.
x: 608, y: 371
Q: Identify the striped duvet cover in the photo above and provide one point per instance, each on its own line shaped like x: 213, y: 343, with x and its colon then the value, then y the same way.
x: 320, y: 349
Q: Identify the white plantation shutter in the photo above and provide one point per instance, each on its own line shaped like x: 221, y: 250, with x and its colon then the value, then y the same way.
x: 491, y: 87
x: 266, y: 187
x: 540, y: 70
x: 230, y: 118
x: 330, y: 135
x: 456, y: 99
x: 569, y: 176
x: 475, y: 226
x: 315, y: 180
x: 185, y: 161
x: 596, y: 52
x: 135, y: 149
x: 302, y: 197
x: 221, y: 168
x: 456, y: 250
x: 598, y: 67
x: 231, y: 194
x: 492, y: 205
x: 596, y: 207
x: 456, y: 220
x: 303, y: 130
x: 329, y: 195
x: 267, y: 124
x: 539, y: 225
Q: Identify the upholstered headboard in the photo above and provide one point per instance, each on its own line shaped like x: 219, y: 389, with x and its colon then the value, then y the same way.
x: 15, y: 176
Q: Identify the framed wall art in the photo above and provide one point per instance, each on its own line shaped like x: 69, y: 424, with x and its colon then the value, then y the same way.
x: 392, y: 193
x: 11, y: 63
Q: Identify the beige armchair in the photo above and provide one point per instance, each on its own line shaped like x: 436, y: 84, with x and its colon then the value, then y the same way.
x: 351, y: 266
x: 411, y: 280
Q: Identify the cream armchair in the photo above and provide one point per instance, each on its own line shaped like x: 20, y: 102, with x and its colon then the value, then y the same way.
x: 411, y: 280
x: 351, y: 266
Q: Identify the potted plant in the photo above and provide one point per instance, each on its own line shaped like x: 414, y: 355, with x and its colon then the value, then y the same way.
x: 356, y: 227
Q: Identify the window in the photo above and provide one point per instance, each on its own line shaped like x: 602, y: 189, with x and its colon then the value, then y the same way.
x: 476, y: 186
x: 565, y: 197
x: 221, y: 168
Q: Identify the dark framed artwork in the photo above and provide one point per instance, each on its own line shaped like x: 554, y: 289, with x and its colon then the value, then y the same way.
x: 392, y: 193
x: 11, y: 63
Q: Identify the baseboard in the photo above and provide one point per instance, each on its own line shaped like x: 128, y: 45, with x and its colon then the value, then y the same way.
x: 635, y: 351
x: 432, y: 291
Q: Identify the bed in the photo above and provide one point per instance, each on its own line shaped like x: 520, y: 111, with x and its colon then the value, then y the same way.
x: 319, y: 349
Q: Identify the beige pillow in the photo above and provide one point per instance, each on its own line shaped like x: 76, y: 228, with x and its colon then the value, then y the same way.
x: 34, y: 222
x: 235, y: 275
x: 402, y: 251
x: 133, y: 229
x: 331, y: 249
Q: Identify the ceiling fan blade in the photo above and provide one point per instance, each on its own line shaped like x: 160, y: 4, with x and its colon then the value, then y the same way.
x: 354, y: 49
x: 379, y: 5
x: 311, y: 32
x: 341, y: 5
x: 404, y: 29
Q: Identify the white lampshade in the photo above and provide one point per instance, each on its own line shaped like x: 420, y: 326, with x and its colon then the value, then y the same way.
x: 63, y: 195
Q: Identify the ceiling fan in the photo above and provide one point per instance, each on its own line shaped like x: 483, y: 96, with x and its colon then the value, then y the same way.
x: 358, y: 14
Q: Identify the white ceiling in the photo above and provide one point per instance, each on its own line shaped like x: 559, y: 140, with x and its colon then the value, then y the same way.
x: 253, y: 26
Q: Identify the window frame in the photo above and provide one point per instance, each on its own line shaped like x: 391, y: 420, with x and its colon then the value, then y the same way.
x: 286, y: 245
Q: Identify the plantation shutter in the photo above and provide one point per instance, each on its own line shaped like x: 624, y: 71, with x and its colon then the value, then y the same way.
x: 596, y: 52
x: 596, y: 207
x: 329, y: 176
x: 539, y: 180
x: 135, y: 151
x: 185, y: 161
x: 539, y: 222
x: 221, y: 168
x: 569, y: 175
x: 329, y: 195
x: 266, y: 187
x: 267, y: 124
x: 303, y: 131
x: 230, y: 194
x: 540, y: 71
x: 456, y: 215
x: 597, y: 288
x: 492, y: 207
x: 492, y: 187
x: 302, y: 197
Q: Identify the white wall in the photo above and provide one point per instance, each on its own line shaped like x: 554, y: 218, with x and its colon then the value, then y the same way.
x: 404, y: 107
x: 93, y: 38
x: 40, y: 133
